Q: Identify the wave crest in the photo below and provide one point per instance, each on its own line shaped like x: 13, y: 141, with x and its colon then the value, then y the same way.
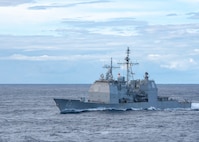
x: 195, y: 106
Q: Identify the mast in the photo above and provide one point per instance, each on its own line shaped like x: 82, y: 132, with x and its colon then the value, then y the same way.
x: 109, y: 74
x: 128, y: 65
x: 111, y: 68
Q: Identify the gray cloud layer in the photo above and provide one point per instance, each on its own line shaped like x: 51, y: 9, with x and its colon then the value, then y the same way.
x: 14, y: 2
x: 55, y: 5
x: 193, y: 15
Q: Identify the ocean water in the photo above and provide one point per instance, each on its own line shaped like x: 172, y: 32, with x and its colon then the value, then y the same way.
x: 29, y: 114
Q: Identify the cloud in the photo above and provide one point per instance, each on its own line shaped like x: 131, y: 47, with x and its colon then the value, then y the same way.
x: 154, y: 56
x: 29, y: 58
x: 55, y: 5
x: 114, y: 26
x: 196, y: 50
x: 71, y: 43
x: 173, y: 61
x: 74, y: 57
x: 183, y: 35
x: 113, y: 22
x: 184, y: 64
x: 29, y: 43
x: 14, y: 2
x: 193, y: 15
x: 164, y: 41
x: 172, y: 14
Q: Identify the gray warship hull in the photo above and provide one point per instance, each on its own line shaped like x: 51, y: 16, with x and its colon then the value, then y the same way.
x: 108, y: 93
x: 69, y: 106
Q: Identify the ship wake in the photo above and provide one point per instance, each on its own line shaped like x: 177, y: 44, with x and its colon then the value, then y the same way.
x: 194, y: 107
x: 97, y: 109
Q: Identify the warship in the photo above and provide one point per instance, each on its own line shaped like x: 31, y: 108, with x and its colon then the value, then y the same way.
x: 123, y: 93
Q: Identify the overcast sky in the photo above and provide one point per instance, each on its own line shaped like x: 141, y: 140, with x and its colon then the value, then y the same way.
x: 48, y: 41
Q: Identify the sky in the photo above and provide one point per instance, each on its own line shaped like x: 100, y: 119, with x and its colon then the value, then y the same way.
x: 68, y: 42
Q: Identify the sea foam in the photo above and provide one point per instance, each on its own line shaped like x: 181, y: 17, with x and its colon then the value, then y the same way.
x: 194, y: 105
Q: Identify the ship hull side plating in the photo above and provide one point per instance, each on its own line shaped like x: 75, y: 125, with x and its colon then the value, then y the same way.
x: 68, y: 106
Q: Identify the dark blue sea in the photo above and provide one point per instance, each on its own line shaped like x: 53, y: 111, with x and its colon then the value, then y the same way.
x: 29, y: 114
